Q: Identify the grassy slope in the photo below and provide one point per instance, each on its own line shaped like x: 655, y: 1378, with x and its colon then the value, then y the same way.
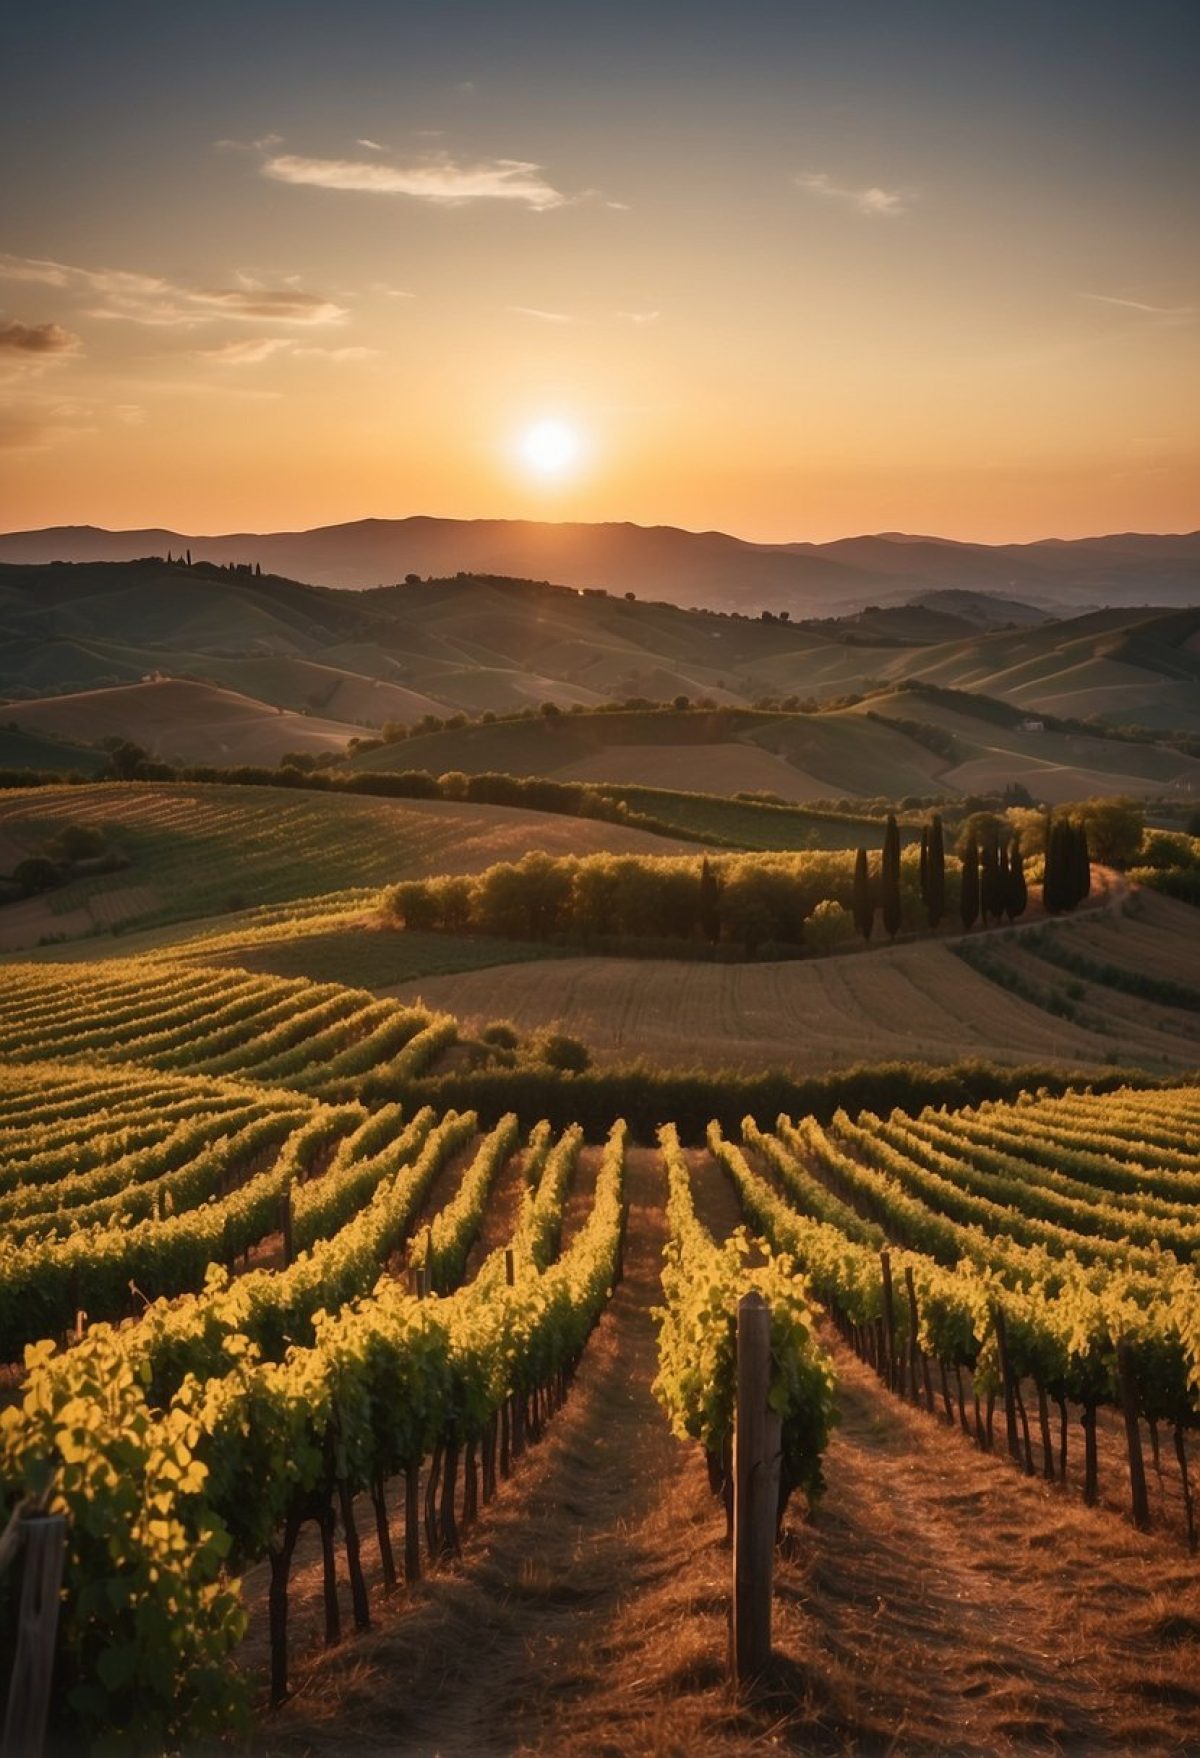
x: 799, y: 756
x: 197, y: 850
x: 28, y: 750
x: 1054, y: 766
x: 182, y: 722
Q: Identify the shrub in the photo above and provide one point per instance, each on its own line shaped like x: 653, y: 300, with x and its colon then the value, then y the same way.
x: 36, y: 874
x: 560, y: 1051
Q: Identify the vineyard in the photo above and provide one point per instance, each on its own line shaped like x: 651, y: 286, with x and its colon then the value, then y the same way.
x: 280, y: 1343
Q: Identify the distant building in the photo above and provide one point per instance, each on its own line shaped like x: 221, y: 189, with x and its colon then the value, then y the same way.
x: 1033, y: 726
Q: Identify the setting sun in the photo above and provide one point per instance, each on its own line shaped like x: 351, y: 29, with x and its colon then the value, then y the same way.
x: 550, y: 448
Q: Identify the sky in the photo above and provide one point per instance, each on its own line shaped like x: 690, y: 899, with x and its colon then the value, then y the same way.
x: 793, y: 271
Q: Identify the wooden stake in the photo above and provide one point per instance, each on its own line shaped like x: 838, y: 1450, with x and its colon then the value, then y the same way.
x: 1139, y: 1499
x: 333, y: 1617
x: 1189, y: 1506
x: 889, y: 1321
x: 277, y: 1609
x: 1044, y: 1425
x: 755, y: 1491
x: 1091, y: 1486
x: 412, y: 1521
x: 358, y: 1585
x: 44, y: 1544
x: 1010, y: 1402
x: 913, y: 1345
x: 387, y: 1561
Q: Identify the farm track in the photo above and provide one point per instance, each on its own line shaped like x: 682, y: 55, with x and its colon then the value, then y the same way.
x: 461, y: 1664
x: 938, y: 1602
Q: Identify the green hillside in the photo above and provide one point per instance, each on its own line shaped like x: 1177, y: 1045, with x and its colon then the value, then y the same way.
x: 197, y: 849
x: 909, y: 742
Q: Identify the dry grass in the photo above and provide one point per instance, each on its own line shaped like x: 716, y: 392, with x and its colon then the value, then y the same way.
x: 937, y: 1603
x: 905, y: 1001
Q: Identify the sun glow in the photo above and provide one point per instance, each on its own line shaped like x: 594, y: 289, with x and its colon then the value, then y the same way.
x: 550, y: 448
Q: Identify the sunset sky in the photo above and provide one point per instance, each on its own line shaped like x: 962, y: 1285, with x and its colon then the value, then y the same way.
x: 793, y: 271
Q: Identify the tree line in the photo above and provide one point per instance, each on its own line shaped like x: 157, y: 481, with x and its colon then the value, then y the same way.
x: 751, y: 903
x: 777, y: 904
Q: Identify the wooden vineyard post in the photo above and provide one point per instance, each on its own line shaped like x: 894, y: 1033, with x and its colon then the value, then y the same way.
x: 510, y: 1266
x: 889, y: 1321
x: 1133, y: 1438
x: 1010, y: 1401
x: 43, y: 1544
x: 755, y: 1491
x: 914, y: 1347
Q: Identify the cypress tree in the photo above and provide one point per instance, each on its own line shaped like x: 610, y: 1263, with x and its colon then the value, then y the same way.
x: 890, y: 876
x: 710, y: 903
x: 935, y: 878
x: 1081, y: 865
x: 970, y: 885
x: 1016, y: 892
x: 990, y: 904
x: 1050, y: 893
x: 864, y: 903
x: 924, y: 878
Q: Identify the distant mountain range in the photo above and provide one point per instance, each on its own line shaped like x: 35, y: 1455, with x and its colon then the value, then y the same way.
x: 709, y: 569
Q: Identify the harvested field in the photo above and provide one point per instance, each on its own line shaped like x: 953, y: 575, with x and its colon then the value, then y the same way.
x: 729, y: 768
x: 897, y: 1002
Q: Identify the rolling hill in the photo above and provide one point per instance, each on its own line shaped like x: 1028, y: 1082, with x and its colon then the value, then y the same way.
x: 249, y: 666
x: 916, y: 742
x: 184, y: 722
x: 706, y: 568
x: 196, y: 849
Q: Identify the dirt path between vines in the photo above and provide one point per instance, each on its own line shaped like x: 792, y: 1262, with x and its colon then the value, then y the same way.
x: 937, y: 1603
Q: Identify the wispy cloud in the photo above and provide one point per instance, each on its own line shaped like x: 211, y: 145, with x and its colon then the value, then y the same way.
x: 544, y: 317
x: 254, y: 350
x: 372, y: 146
x: 871, y: 200
x: 440, y: 180
x: 640, y: 317
x: 150, y: 299
x: 335, y: 354
x: 37, y: 339
x: 264, y: 144
x: 248, y: 352
x: 40, y: 423
x: 1168, y: 313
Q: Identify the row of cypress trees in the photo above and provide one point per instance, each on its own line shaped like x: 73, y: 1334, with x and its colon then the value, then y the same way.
x: 993, y: 882
x: 993, y: 878
x: 886, y: 896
